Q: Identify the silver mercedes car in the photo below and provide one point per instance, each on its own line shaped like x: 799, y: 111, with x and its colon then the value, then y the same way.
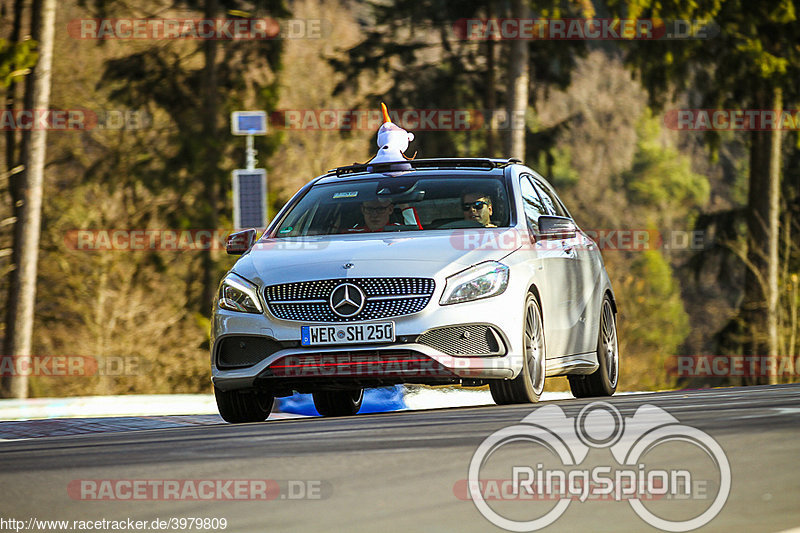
x: 431, y: 271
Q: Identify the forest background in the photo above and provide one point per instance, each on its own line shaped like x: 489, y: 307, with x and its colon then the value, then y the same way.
x: 719, y: 276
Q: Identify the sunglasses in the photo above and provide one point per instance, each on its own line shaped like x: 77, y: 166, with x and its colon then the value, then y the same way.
x: 477, y: 206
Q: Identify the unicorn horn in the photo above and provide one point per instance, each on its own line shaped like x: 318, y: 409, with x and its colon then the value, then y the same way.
x: 385, y: 113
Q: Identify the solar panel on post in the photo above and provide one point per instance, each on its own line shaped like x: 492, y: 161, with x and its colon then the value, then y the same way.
x: 250, y: 198
x: 249, y: 123
x: 249, y: 185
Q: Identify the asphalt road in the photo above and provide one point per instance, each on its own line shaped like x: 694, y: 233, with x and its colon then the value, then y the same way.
x: 399, y: 471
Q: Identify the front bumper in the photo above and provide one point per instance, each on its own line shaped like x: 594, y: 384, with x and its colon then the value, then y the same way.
x: 293, y: 367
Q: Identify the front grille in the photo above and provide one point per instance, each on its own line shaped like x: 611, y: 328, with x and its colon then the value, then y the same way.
x: 241, y: 351
x: 308, y: 301
x: 473, y: 339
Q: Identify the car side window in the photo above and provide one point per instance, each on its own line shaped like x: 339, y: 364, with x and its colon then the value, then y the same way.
x: 551, y: 204
x: 532, y: 203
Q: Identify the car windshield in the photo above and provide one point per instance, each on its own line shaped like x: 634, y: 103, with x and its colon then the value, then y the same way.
x: 398, y: 203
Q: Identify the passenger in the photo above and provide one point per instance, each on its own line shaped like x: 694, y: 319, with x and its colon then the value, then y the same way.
x: 478, y: 208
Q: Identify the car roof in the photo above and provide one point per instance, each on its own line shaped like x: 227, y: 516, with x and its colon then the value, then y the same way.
x: 428, y: 167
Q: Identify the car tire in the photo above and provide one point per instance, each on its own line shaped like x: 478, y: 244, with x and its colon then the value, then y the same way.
x: 603, y: 381
x: 527, y: 387
x: 237, y: 406
x: 338, y: 403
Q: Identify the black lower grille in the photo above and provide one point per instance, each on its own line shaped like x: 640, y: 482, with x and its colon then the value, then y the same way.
x: 474, y: 339
x: 242, y: 351
x: 358, y: 363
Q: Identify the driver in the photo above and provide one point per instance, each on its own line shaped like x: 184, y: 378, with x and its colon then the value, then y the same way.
x: 478, y: 208
x: 376, y: 215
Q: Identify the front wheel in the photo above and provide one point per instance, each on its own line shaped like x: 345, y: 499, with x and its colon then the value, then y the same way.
x: 603, y: 382
x: 338, y: 403
x: 238, y: 406
x: 527, y: 387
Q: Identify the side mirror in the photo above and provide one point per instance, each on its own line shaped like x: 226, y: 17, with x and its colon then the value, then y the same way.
x: 240, y: 241
x: 551, y: 227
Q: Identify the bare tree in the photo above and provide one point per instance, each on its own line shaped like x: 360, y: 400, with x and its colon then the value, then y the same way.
x: 491, y: 84
x: 773, y: 218
x: 760, y: 306
x: 210, y: 168
x: 23, y: 299
x: 14, y: 165
x: 519, y: 79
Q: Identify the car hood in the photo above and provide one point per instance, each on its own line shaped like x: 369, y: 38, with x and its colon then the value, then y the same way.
x: 425, y: 254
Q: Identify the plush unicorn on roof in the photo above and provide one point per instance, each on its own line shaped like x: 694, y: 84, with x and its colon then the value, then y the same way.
x: 392, y: 140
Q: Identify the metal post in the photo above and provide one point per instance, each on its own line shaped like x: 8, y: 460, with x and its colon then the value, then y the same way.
x: 251, y: 153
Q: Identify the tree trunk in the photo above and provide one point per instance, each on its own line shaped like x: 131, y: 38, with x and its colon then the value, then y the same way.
x: 519, y: 71
x: 491, y: 100
x: 30, y: 213
x: 760, y: 305
x: 773, y: 220
x: 15, y: 177
x: 210, y: 163
x: 11, y: 135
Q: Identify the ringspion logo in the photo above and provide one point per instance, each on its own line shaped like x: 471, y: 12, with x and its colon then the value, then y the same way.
x: 565, y: 478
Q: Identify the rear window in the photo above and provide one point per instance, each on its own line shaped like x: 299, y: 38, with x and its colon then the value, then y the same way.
x: 398, y: 203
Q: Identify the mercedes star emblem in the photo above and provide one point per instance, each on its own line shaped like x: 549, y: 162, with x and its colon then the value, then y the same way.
x: 347, y: 300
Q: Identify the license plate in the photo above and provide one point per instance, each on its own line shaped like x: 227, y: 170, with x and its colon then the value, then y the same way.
x: 347, y: 334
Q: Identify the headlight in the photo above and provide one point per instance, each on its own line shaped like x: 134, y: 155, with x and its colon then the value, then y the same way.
x: 238, y: 294
x: 481, y: 281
